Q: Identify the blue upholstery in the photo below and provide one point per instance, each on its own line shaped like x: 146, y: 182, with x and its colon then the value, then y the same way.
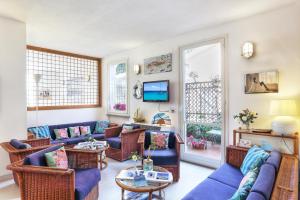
x: 98, y: 136
x: 228, y: 175
x: 18, y: 144
x: 210, y: 189
x: 265, y: 181
x: 92, y: 125
x: 163, y: 157
x: 135, y: 126
x: 171, y: 142
x: 274, y: 159
x: 74, y: 140
x: 38, y: 158
x: 255, y: 196
x: 114, y: 142
x: 85, y: 181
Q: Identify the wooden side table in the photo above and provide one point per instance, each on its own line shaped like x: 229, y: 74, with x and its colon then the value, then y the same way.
x: 240, y: 132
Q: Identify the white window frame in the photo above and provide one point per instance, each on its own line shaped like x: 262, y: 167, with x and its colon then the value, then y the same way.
x: 109, y: 111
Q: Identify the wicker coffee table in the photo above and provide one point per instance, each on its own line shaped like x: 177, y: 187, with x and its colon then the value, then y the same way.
x: 127, y: 185
x: 88, y: 146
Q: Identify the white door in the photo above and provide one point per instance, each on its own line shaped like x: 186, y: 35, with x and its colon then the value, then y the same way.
x: 202, y: 101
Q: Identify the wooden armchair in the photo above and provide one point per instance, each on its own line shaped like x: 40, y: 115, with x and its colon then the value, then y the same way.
x: 19, y: 154
x: 39, y: 182
x: 121, y: 147
x: 168, y: 158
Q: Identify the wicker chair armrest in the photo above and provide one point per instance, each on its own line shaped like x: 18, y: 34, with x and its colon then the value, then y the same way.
x: 139, y: 130
x: 235, y: 155
x: 37, y: 142
x: 178, y: 139
x: 113, y: 125
x: 19, y: 167
x: 112, y: 131
x: 33, y: 149
x: 80, y: 159
x: 30, y: 135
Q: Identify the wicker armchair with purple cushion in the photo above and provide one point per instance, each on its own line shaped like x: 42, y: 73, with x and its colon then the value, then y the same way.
x: 40, y: 182
x: 121, y: 146
x: 224, y: 182
x: 72, y: 141
x: 19, y: 149
x: 168, y: 158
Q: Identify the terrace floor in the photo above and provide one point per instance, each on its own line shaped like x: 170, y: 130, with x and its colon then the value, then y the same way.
x: 212, y: 151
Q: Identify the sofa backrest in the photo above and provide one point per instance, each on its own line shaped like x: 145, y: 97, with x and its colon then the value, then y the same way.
x: 265, y: 181
x: 92, y: 125
x: 255, y: 196
x: 38, y: 158
x: 171, y: 142
x: 274, y: 159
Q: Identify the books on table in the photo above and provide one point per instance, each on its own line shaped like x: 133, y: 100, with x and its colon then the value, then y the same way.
x: 152, y: 176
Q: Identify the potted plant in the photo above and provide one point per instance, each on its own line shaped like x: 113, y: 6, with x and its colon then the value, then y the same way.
x: 135, y: 157
x: 246, y: 117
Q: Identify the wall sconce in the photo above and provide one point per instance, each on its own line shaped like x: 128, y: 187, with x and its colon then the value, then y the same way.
x: 248, y: 50
x: 137, y: 69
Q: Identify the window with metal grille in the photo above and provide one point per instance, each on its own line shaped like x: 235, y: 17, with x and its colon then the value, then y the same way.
x: 61, y: 80
x: 118, y: 98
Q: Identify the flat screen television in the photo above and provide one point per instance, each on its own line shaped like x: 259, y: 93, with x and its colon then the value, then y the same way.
x: 156, y: 91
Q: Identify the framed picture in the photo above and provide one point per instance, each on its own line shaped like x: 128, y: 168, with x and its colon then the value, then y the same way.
x: 158, y: 64
x: 263, y: 82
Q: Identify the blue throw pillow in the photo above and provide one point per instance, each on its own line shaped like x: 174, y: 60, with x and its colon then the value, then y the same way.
x: 19, y: 145
x: 101, y: 126
x: 245, y: 185
x: 254, y: 159
x: 40, y: 131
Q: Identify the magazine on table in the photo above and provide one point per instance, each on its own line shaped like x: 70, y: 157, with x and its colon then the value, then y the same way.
x: 153, y: 176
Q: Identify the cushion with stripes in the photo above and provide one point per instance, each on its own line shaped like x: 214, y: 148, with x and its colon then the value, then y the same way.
x: 254, y: 159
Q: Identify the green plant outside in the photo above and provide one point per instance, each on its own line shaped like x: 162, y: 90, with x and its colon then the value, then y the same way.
x: 200, y: 131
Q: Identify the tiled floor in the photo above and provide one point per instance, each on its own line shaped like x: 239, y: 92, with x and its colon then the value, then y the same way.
x: 191, y: 175
x: 213, y: 151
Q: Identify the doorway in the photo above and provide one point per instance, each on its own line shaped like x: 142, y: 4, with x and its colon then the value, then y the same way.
x: 202, y: 100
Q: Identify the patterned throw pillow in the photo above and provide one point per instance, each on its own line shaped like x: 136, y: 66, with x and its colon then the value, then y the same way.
x: 40, y: 131
x: 57, y: 159
x: 245, y: 185
x: 85, y: 130
x: 74, y: 131
x: 101, y: 126
x: 159, y: 140
x: 61, y: 133
x: 254, y: 159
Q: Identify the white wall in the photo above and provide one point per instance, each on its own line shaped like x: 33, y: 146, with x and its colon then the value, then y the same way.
x: 277, y: 38
x: 52, y: 117
x: 12, y: 84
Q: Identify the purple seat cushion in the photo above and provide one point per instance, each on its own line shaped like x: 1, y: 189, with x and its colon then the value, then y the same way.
x: 114, y: 142
x: 265, y: 181
x: 210, y: 189
x: 85, y: 181
x: 163, y: 157
x: 171, y: 141
x: 255, y: 196
x: 228, y: 175
x: 38, y: 158
x: 98, y: 136
x: 74, y: 140
x: 18, y: 144
x: 274, y: 159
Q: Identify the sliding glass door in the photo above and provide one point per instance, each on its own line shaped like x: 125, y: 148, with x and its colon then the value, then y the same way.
x: 202, y: 99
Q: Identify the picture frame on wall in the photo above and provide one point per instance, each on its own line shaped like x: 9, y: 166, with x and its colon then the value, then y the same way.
x: 262, y: 82
x: 158, y: 64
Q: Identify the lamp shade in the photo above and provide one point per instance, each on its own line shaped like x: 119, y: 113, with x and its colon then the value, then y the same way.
x: 283, y: 108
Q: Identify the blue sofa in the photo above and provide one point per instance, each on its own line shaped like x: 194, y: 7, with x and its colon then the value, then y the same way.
x: 78, y: 182
x: 75, y: 140
x: 223, y: 182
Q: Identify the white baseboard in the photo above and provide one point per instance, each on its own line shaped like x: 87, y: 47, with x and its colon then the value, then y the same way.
x: 6, y: 177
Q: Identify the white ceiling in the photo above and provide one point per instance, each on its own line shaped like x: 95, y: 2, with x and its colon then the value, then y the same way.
x: 104, y: 27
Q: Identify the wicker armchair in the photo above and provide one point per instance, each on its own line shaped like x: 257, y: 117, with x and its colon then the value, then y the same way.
x: 167, y: 158
x: 121, y: 147
x: 42, y: 182
x: 19, y: 154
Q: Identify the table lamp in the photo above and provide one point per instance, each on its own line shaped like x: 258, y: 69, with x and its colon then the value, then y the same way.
x: 284, y: 122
